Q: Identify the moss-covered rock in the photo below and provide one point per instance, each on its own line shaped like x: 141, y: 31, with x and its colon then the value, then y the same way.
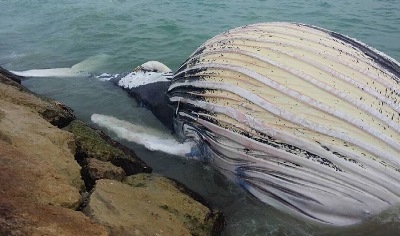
x: 92, y: 143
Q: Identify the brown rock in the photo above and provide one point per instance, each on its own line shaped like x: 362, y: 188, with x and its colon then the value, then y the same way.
x: 52, y: 111
x: 94, y: 169
x: 39, y: 178
x: 148, y: 205
x: 33, y: 197
x: 25, y: 218
x: 40, y: 154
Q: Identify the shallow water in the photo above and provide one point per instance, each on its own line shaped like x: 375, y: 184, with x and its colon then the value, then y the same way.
x: 116, y: 36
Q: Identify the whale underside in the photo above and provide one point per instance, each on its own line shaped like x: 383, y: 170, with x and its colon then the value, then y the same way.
x: 305, y: 119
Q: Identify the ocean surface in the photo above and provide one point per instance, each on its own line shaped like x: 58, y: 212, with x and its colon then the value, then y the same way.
x: 115, y: 36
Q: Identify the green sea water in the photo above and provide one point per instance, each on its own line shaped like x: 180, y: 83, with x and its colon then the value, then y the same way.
x: 117, y: 35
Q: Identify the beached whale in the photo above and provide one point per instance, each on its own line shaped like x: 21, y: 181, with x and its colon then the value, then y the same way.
x: 305, y: 119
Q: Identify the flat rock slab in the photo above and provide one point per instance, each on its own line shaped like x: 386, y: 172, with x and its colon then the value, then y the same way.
x: 148, y: 204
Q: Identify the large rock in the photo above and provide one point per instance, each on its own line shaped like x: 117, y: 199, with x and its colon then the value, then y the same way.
x: 52, y: 111
x: 147, y: 204
x: 39, y: 178
x: 25, y: 218
x: 93, y: 169
x: 41, y: 154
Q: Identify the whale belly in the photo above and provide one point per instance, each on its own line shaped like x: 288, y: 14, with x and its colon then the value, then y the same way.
x: 305, y: 119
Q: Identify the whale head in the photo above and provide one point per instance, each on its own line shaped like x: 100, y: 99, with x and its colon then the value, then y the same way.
x: 148, y: 84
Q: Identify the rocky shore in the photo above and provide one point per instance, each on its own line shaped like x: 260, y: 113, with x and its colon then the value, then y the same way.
x: 59, y: 176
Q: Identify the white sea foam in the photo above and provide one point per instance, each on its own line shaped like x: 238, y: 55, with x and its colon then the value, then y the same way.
x: 152, y: 139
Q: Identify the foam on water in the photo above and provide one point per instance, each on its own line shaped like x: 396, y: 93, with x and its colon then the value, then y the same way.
x: 152, y: 139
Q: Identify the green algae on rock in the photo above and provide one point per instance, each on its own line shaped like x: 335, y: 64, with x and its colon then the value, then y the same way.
x: 92, y: 143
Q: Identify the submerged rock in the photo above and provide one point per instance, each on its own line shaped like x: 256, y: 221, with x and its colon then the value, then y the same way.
x: 148, y: 204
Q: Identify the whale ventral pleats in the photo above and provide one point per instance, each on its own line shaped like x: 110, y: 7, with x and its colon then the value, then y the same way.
x: 307, y: 120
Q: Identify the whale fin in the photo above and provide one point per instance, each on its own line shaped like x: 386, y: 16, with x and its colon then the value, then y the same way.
x: 82, y: 69
x: 152, y: 139
x: 54, y: 72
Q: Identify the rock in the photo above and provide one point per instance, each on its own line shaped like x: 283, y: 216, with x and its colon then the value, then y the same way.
x: 10, y: 76
x: 24, y: 218
x: 39, y: 153
x: 39, y: 178
x: 94, y: 169
x: 52, y: 111
x: 147, y: 204
x: 92, y: 143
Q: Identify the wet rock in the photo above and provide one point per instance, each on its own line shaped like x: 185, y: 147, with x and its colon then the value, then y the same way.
x: 147, y: 204
x: 7, y: 75
x: 94, y: 169
x: 39, y: 178
x: 93, y: 143
x: 52, y: 111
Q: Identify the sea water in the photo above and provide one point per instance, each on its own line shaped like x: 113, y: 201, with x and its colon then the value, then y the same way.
x: 114, y: 36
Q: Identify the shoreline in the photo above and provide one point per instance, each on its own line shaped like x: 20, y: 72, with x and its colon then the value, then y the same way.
x: 61, y: 176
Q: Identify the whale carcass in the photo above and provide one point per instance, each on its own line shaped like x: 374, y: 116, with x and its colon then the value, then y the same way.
x: 307, y: 120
